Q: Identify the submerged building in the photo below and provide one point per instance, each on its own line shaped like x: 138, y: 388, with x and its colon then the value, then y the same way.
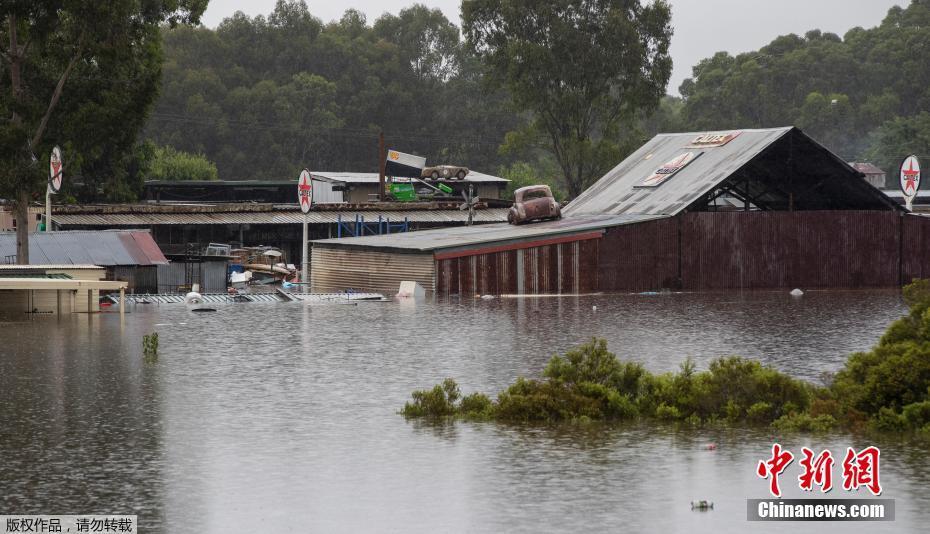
x: 743, y: 209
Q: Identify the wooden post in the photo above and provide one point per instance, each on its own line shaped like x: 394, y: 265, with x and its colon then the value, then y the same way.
x: 381, y: 157
x: 71, y: 300
x: 122, y: 301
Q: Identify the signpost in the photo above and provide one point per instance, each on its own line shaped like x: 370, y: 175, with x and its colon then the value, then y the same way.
x: 55, y: 175
x: 305, y: 196
x: 910, y: 180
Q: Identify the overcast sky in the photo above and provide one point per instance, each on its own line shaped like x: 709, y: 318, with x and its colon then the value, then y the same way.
x: 702, y: 27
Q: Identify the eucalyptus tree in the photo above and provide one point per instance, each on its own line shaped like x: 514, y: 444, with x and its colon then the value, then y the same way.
x: 75, y: 72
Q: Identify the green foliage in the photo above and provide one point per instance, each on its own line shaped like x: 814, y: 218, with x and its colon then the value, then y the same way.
x: 170, y: 164
x: 150, y: 347
x: 851, y: 93
x: 590, y: 383
x: 804, y: 422
x: 106, y: 59
x: 584, y: 70
x: 887, y: 388
x: 266, y: 96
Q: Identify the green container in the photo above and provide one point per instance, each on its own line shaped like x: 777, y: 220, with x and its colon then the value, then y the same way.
x: 403, y: 192
x: 445, y: 189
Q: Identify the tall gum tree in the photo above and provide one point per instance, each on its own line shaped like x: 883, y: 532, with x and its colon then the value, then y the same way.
x: 43, y: 45
x: 583, y: 68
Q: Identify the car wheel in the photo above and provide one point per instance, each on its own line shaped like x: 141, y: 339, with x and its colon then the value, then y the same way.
x: 460, y: 175
x: 434, y: 175
x: 510, y: 217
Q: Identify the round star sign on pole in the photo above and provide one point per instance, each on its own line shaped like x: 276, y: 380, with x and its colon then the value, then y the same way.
x: 55, y: 171
x: 305, y: 191
x: 910, y: 179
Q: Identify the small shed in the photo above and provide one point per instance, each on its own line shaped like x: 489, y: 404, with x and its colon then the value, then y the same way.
x: 127, y: 255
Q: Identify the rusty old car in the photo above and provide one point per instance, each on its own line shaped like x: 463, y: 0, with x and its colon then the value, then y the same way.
x: 533, y: 202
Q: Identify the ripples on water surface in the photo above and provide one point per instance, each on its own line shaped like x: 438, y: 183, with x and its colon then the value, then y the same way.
x: 282, y: 417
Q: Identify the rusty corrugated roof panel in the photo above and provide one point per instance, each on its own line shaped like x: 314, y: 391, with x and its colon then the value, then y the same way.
x: 102, y: 247
x: 275, y: 217
x: 618, y: 191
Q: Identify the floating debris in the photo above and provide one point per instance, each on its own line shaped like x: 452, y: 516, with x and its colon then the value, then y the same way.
x: 796, y: 293
x: 702, y: 506
x: 203, y: 310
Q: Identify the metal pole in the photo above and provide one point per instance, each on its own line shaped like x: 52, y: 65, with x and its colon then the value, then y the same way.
x: 48, y: 209
x: 305, y: 259
x: 381, y: 162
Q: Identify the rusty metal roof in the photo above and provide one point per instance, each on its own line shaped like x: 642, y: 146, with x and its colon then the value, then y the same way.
x: 273, y: 217
x: 101, y: 247
x: 465, y: 236
x: 785, y: 167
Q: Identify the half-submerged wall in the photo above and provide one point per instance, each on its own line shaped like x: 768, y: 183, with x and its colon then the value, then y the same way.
x: 753, y: 250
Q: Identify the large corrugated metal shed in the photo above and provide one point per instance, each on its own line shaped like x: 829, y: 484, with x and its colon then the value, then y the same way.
x: 105, y: 248
x: 778, y: 168
x: 467, y: 236
x: 275, y: 217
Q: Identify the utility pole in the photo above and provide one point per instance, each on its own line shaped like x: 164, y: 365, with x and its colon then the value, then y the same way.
x: 381, y: 161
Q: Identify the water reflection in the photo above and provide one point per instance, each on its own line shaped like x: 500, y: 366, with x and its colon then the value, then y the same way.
x: 264, y: 416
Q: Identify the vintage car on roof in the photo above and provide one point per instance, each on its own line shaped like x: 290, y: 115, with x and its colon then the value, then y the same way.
x: 445, y: 171
x: 533, y: 202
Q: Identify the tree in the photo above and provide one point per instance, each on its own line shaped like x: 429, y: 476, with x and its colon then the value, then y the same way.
x: 897, y: 139
x: 48, y: 43
x: 582, y: 68
x: 167, y: 163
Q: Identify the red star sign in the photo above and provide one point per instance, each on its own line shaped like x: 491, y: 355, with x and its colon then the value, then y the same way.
x: 304, y: 190
x: 910, y: 178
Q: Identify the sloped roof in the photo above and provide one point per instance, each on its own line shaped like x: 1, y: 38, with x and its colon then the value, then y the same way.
x: 104, y: 248
x: 776, y: 168
x: 866, y: 168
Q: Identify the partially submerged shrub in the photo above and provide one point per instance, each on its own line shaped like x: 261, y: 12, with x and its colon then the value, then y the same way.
x: 887, y: 388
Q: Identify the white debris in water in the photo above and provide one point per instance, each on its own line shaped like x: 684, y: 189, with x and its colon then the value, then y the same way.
x: 594, y: 308
x: 797, y: 293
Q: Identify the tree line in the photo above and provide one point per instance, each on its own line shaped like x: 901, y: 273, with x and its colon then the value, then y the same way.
x: 536, y: 92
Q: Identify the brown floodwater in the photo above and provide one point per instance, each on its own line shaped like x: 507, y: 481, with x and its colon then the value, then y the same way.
x: 283, y: 417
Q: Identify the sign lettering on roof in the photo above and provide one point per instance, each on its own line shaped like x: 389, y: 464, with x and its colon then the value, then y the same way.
x: 668, y: 170
x: 713, y: 140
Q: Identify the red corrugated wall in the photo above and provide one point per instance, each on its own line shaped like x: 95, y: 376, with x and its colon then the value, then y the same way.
x: 915, y: 248
x: 806, y: 249
x: 557, y: 268
x: 707, y: 251
x: 639, y: 257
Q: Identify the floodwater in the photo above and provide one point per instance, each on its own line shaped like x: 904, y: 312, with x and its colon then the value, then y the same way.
x: 283, y: 417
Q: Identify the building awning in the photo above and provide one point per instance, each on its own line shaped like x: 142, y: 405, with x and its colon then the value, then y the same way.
x: 274, y: 217
x: 53, y: 283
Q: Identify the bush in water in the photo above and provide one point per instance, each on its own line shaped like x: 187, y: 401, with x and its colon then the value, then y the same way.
x: 887, y: 388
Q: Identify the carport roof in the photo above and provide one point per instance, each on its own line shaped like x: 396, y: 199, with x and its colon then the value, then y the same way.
x: 470, y: 236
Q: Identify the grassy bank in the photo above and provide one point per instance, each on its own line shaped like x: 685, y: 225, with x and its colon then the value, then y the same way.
x: 886, y: 389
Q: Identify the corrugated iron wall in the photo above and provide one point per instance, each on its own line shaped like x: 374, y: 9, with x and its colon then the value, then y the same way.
x: 915, y: 248
x: 211, y: 275
x: 639, y: 257
x: 338, y: 269
x: 560, y: 268
x: 806, y: 249
x: 141, y: 278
